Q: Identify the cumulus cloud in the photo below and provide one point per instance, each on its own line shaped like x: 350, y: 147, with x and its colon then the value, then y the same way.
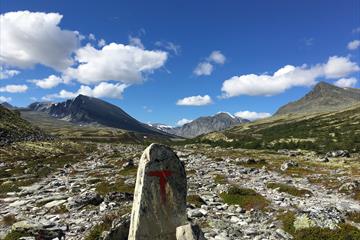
x: 346, y: 82
x: 169, y: 46
x: 353, y: 45
x: 183, y: 121
x: 8, y: 73
x: 5, y: 99
x: 30, y: 38
x: 136, y: 42
x: 14, y: 88
x: 49, y: 82
x: 103, y: 89
x: 117, y: 62
x: 287, y: 77
x: 203, y: 68
x: 252, y: 115
x: 195, y: 101
x: 217, y: 57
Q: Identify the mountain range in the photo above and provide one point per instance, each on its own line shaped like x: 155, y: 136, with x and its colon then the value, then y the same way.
x: 89, y: 110
x: 202, y: 125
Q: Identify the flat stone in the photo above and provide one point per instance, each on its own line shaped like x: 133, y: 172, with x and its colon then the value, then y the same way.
x: 54, y: 203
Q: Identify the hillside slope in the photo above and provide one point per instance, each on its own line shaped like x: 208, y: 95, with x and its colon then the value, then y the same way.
x: 323, y: 98
x: 316, y: 131
x: 13, y: 128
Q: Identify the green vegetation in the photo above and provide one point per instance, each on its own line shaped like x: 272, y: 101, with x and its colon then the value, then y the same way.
x: 354, y: 216
x: 318, y: 131
x: 8, y: 220
x: 195, y: 200
x: 15, y: 235
x: 105, y: 187
x: 344, y: 232
x: 98, y: 229
x: 220, y: 179
x: 245, y: 198
x: 288, y: 189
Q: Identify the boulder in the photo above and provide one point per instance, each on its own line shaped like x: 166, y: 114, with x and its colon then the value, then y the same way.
x: 189, y: 232
x: 159, y: 205
x: 288, y: 164
x: 119, y: 229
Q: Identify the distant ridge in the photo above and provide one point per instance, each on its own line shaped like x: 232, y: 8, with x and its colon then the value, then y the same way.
x: 324, y: 97
x: 7, y: 105
x: 202, y: 125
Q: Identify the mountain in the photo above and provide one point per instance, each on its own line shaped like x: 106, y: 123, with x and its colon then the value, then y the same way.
x: 7, y: 105
x: 203, y: 125
x: 323, y: 98
x: 89, y: 110
x: 13, y: 128
x: 325, y: 131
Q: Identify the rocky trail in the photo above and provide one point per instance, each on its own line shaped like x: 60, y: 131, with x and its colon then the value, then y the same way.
x: 69, y: 202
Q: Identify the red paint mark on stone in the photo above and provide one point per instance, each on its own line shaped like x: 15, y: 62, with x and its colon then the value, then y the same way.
x: 162, y: 181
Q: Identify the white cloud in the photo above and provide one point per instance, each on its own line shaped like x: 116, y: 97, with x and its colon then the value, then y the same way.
x: 30, y: 38
x: 353, y: 45
x: 101, y: 43
x: 287, y: 77
x: 116, y: 62
x: 203, y: 68
x: 183, y: 121
x: 49, y: 82
x: 136, y: 42
x: 5, y: 99
x: 338, y: 67
x: 217, y: 57
x: 8, y: 73
x: 346, y: 82
x: 103, y: 89
x: 170, y: 46
x: 252, y: 115
x: 195, y: 101
x: 14, y: 88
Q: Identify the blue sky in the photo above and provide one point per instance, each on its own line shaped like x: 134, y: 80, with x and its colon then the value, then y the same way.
x: 143, y: 55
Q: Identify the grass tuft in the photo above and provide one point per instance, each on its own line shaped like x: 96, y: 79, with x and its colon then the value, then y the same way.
x: 285, y: 188
x: 246, y: 198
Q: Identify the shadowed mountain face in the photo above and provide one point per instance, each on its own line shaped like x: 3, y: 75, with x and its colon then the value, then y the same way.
x: 323, y: 98
x: 7, y: 105
x: 204, y: 125
x: 88, y: 110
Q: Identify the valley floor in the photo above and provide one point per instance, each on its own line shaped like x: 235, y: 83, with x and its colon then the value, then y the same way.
x: 233, y: 194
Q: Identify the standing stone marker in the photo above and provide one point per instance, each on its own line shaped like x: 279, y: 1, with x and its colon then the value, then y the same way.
x: 159, y: 205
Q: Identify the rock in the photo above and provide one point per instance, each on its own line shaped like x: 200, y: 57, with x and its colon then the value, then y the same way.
x: 288, y: 164
x: 88, y: 198
x: 284, y: 235
x: 323, y: 159
x: 118, y: 197
x: 350, y: 186
x: 54, y: 203
x: 338, y: 153
x: 119, y: 229
x: 159, y: 205
x: 189, y: 232
x: 128, y: 164
x: 38, y: 230
x: 195, y: 213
